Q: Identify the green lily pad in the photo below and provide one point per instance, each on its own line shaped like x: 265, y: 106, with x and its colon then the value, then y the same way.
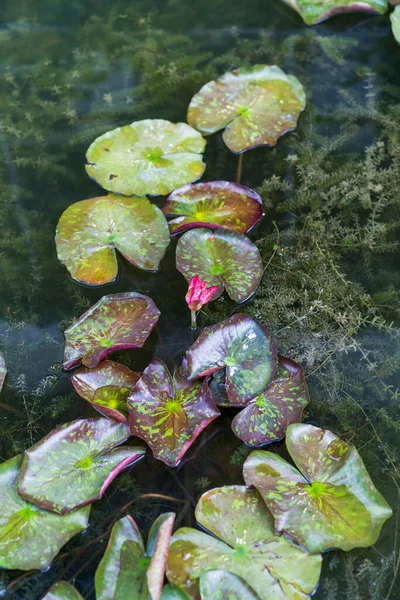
x: 242, y: 346
x: 273, y: 567
x: 173, y: 592
x: 62, y: 590
x: 266, y: 417
x: 315, y: 11
x: 255, y: 106
x: 127, y: 570
x: 30, y: 537
x: 75, y: 463
x: 3, y: 371
x: 221, y: 585
x: 106, y: 388
x: 89, y: 232
x: 330, y: 502
x: 169, y: 412
x: 115, y: 322
x: 217, y: 204
x: 152, y: 156
x: 222, y: 258
x: 395, y: 20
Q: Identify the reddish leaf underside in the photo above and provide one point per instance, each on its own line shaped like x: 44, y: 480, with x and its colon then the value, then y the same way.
x: 3, y: 371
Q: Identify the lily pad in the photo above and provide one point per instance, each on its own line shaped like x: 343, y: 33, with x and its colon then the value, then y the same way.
x: 62, y: 590
x: 330, y: 502
x: 221, y: 585
x: 266, y: 417
x: 315, y: 11
x: 127, y: 570
x: 3, y: 371
x: 173, y: 592
x: 222, y: 258
x: 30, y: 537
x: 89, y: 232
x: 217, y: 204
x: 106, y: 387
x: 254, y: 105
x: 242, y: 346
x: 152, y: 156
x: 115, y: 322
x: 74, y: 464
x: 169, y: 412
x: 273, y: 567
x: 395, y: 20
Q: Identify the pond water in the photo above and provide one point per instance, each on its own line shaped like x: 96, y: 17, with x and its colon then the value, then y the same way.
x: 73, y: 69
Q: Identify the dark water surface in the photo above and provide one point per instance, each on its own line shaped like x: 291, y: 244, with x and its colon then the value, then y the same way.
x: 73, y: 69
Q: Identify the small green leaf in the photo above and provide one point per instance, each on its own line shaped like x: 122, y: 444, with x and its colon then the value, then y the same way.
x: 315, y: 11
x: 62, y: 590
x: 395, y: 20
x: 173, y: 592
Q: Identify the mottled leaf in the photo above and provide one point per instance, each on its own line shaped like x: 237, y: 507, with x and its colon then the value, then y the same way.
x: 152, y: 156
x: 169, y: 412
x: 395, y: 20
x: 173, y: 592
x: 217, y: 204
x: 242, y: 346
x: 254, y: 106
x: 221, y: 585
x: 315, y: 11
x: 89, y: 232
x: 106, y: 387
x: 3, y: 371
x: 266, y: 417
x: 115, y: 322
x: 222, y: 258
x: 30, y: 537
x: 330, y: 502
x: 62, y: 590
x: 273, y: 567
x: 75, y: 463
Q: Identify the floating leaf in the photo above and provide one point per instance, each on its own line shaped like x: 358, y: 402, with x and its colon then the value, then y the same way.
x: 242, y: 346
x: 272, y: 566
x: 223, y: 258
x: 106, y: 387
x: 89, y: 232
x: 3, y: 371
x: 169, y: 412
x: 395, y: 20
x: 221, y: 585
x: 315, y: 11
x: 254, y: 105
x: 217, y: 204
x: 330, y: 502
x: 30, y: 537
x: 62, y: 590
x: 266, y: 417
x: 75, y: 463
x: 173, y: 592
x: 115, y: 322
x: 152, y: 156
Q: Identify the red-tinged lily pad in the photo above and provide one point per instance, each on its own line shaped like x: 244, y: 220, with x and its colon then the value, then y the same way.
x: 330, y: 502
x: 75, y: 463
x: 115, y: 322
x: 89, y: 232
x: 3, y: 371
x: 222, y: 258
x: 152, y: 156
x: 242, y: 346
x: 127, y: 570
x: 169, y: 412
x: 30, y: 537
x: 315, y: 11
x: 106, y: 387
x: 62, y: 590
x: 217, y: 204
x: 254, y: 105
x: 221, y: 585
x: 246, y: 546
x: 266, y: 417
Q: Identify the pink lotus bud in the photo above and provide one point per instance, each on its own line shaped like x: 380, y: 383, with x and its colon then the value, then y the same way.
x: 199, y: 294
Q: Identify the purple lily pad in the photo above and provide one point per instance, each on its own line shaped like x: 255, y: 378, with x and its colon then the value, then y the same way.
x: 315, y: 11
x: 169, y: 412
x: 62, y: 590
x: 26, y: 530
x: 75, y: 463
x: 106, y: 388
x: 266, y: 417
x: 115, y: 322
x: 217, y: 204
x: 221, y: 258
x: 3, y: 371
x: 330, y: 502
x: 242, y: 346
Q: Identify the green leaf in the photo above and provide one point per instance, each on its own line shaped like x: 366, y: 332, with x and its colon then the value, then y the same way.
x: 315, y: 11
x: 173, y: 592
x: 242, y: 346
x: 226, y: 259
x: 75, y: 463
x: 62, y: 590
x: 395, y: 20
x: 330, y: 502
x: 273, y: 567
x: 3, y: 371
x: 115, y: 322
x: 30, y: 537
x: 89, y: 232
x: 221, y: 585
x: 152, y: 156
x: 216, y: 204
x: 254, y: 105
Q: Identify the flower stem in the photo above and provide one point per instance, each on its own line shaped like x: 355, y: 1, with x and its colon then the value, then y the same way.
x: 193, y: 324
x: 239, y: 169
